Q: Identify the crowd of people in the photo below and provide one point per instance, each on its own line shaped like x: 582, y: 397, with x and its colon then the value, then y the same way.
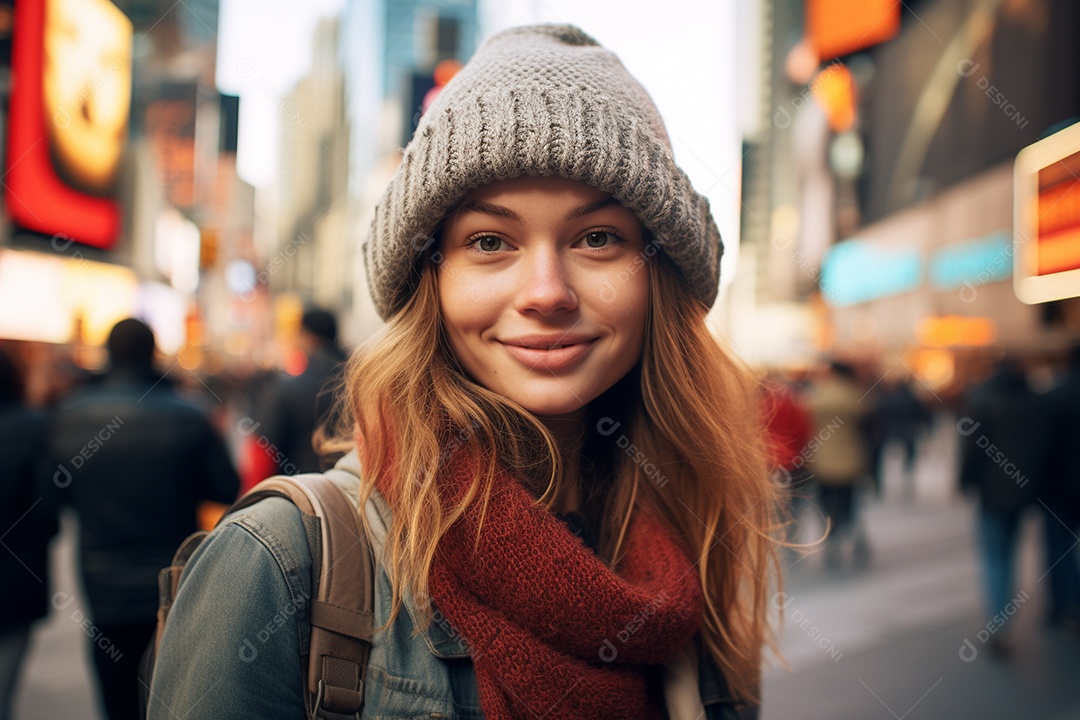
x: 831, y: 429
x: 142, y: 463
x: 142, y: 466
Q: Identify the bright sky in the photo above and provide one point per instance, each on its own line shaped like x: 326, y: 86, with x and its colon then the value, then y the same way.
x: 683, y: 51
x: 264, y: 48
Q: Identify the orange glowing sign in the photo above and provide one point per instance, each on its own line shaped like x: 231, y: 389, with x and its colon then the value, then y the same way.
x: 70, y: 103
x: 835, y: 91
x: 841, y: 27
x: 954, y: 330
x: 1047, y: 218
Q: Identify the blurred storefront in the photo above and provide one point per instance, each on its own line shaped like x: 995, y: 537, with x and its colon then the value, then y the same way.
x: 121, y: 196
x: 879, y: 178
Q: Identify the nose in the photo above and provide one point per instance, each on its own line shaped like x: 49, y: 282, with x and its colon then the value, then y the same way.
x: 544, y: 285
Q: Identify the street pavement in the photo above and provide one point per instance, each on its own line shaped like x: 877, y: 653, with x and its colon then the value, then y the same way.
x: 884, y: 642
x: 905, y: 637
x: 55, y: 680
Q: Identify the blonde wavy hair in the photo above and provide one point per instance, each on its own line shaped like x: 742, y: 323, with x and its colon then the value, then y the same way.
x: 691, y: 410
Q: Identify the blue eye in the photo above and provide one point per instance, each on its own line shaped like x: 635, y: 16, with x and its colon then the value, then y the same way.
x: 599, y: 239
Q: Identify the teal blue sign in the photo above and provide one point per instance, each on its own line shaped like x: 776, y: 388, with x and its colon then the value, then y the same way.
x: 856, y: 271
x: 987, y: 259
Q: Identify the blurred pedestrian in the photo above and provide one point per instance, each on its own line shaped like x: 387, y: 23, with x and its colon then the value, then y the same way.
x: 1061, y: 501
x: 293, y: 407
x: 839, y: 458
x: 790, y: 428
x: 27, y: 521
x: 135, y: 461
x: 899, y: 418
x: 1005, y: 448
x: 552, y: 441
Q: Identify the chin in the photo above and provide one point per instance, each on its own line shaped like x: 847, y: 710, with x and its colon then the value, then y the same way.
x: 547, y: 406
x: 550, y: 405
x: 556, y: 411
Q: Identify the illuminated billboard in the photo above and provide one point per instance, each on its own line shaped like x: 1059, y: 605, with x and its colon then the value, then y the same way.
x: 70, y: 103
x: 1046, y: 224
x: 840, y: 27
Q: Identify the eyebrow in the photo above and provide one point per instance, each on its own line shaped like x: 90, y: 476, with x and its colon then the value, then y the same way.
x: 589, y: 209
x: 505, y: 212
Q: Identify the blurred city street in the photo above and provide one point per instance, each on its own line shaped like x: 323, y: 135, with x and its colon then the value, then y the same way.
x: 828, y: 244
x: 890, y: 641
x: 886, y: 643
x: 861, y: 645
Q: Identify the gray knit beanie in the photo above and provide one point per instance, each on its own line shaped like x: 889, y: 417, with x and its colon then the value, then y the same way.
x: 539, y: 101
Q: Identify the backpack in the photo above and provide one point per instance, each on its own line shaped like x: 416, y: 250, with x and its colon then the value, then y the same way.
x: 342, y: 608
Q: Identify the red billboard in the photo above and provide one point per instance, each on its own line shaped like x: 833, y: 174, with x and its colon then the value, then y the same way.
x: 70, y: 103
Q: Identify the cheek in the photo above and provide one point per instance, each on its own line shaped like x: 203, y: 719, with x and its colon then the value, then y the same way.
x: 629, y: 312
x: 462, y: 311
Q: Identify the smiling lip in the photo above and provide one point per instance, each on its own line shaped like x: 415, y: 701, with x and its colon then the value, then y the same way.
x: 554, y: 353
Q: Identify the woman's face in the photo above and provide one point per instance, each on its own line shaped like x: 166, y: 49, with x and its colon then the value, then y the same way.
x: 543, y: 288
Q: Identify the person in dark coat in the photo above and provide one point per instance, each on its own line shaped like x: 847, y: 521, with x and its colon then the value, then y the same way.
x: 1005, y: 446
x: 294, y: 407
x: 900, y: 417
x: 134, y: 460
x: 27, y: 521
x: 1061, y: 502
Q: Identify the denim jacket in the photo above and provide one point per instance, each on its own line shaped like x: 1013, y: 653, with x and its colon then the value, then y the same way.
x: 239, y: 625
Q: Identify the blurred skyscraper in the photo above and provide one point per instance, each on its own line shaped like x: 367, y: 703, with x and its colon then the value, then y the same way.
x: 392, y: 52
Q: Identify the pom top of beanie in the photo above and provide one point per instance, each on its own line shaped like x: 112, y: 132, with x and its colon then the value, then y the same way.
x: 544, y: 100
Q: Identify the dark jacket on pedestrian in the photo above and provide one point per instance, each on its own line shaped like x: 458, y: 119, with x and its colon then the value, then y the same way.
x: 1005, y: 442
x: 1063, y: 476
x: 27, y: 516
x: 134, y: 460
x: 295, y: 406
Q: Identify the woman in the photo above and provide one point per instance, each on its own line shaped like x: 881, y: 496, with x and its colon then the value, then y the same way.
x: 562, y: 471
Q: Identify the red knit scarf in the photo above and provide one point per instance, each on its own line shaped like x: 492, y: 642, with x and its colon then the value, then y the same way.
x: 552, y: 631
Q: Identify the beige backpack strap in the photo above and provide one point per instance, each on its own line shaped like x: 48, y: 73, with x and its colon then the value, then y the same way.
x: 343, y: 607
